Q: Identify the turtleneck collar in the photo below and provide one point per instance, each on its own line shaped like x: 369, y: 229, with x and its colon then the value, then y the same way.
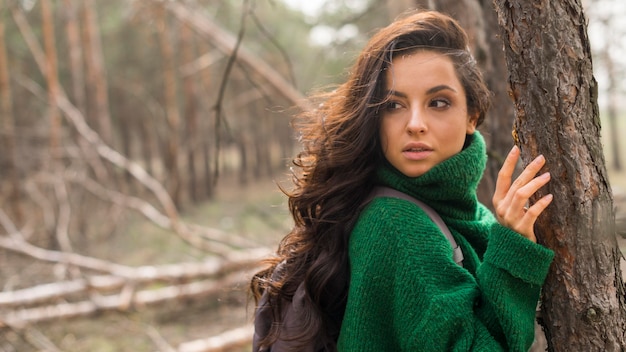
x: 450, y: 186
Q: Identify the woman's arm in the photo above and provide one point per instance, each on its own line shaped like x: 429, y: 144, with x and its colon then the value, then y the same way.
x: 406, y: 292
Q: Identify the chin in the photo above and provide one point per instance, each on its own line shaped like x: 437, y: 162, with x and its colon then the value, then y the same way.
x: 414, y: 173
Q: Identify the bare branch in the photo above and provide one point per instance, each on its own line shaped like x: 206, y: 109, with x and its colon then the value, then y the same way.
x: 136, y: 276
x: 226, y: 42
x: 17, y: 244
x: 222, y: 88
x: 187, y: 233
x: 160, y: 219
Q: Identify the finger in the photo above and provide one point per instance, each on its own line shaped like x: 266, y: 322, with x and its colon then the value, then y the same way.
x: 525, y: 225
x: 503, y: 182
x: 536, y: 209
x: 523, y: 194
x: 529, y: 172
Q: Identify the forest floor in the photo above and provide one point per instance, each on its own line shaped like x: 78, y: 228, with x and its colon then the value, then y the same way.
x: 258, y: 211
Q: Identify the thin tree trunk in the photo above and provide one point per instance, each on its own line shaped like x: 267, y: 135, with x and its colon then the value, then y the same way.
x: 555, y: 94
x: 72, y: 30
x: 8, y: 159
x: 206, y: 86
x: 96, y: 73
x: 147, y: 143
x: 191, y: 112
x: 77, y: 74
x: 171, y: 108
x: 208, y: 173
x: 242, y: 142
x: 52, y: 78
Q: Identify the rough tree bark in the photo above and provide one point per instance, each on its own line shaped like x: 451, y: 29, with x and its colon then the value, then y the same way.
x: 555, y: 95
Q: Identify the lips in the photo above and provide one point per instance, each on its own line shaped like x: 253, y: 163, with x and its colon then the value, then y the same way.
x: 416, y: 151
x: 417, y: 147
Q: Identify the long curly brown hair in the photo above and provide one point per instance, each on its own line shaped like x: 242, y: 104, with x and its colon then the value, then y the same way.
x: 341, y: 151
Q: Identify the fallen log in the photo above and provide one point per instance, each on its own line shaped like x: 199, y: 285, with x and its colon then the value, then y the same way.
x: 124, y: 301
x: 137, y: 276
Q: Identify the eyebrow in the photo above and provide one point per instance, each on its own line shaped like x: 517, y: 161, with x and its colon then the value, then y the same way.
x: 432, y: 90
x: 440, y: 87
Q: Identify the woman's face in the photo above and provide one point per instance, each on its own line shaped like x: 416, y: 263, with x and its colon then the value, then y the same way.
x: 425, y: 120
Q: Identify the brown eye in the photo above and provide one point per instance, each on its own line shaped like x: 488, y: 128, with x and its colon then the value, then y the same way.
x: 440, y: 103
x: 392, y: 105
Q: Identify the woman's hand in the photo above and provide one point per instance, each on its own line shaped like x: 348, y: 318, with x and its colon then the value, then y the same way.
x: 511, y: 198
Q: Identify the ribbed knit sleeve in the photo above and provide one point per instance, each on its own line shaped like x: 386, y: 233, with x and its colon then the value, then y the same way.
x: 407, y: 294
x: 513, y: 270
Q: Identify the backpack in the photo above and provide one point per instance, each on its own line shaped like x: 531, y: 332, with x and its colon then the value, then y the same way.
x: 263, y: 313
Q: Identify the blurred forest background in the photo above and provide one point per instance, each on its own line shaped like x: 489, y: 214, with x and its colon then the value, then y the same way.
x: 142, y: 145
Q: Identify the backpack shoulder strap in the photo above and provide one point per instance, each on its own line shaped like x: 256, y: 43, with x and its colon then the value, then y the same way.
x: 383, y: 191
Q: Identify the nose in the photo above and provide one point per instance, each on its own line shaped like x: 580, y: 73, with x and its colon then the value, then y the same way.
x: 417, y: 122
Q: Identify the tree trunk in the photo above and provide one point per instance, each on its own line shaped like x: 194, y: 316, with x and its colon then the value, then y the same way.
x: 206, y: 86
x: 72, y: 30
x: 52, y: 78
x: 209, y: 185
x: 147, y: 144
x: 171, y: 108
x: 555, y: 95
x: 191, y: 112
x: 96, y: 73
x: 8, y: 159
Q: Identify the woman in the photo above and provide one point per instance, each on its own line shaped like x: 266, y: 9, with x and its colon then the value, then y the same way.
x: 355, y: 275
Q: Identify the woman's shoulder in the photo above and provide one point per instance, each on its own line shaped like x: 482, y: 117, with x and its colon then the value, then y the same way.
x: 392, y: 234
x: 392, y: 212
x: 389, y: 221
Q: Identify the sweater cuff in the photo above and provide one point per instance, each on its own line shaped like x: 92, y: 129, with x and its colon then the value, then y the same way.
x: 518, y: 255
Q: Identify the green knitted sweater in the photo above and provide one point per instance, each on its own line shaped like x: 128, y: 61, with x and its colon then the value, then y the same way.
x: 407, y: 294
